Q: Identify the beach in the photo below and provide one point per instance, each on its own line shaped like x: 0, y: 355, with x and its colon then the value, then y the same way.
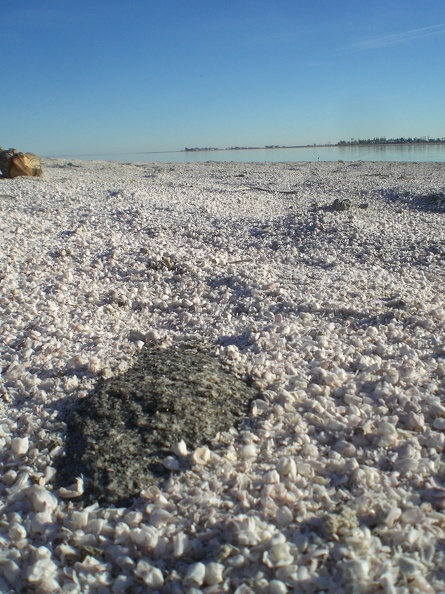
x: 320, y: 284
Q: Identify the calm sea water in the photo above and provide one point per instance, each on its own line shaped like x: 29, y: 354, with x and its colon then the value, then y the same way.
x: 386, y: 152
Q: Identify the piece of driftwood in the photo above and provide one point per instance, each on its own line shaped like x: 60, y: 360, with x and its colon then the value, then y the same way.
x: 15, y: 164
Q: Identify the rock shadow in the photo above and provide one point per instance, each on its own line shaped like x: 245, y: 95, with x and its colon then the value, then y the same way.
x: 324, y: 242
x: 430, y: 202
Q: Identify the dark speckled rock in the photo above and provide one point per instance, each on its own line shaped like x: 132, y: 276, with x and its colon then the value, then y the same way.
x: 119, y: 435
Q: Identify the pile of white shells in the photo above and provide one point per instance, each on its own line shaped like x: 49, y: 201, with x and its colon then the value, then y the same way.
x: 336, y: 482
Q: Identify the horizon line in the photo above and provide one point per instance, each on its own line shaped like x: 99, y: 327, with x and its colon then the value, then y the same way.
x: 380, y: 140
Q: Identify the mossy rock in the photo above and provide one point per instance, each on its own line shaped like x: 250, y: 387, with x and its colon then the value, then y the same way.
x: 119, y: 435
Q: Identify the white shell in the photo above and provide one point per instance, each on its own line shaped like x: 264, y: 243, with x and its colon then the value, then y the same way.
x: 180, y: 448
x: 144, y: 537
x: 195, y: 574
x: 73, y: 491
x: 42, y: 500
x: 20, y: 445
x: 150, y: 575
x: 214, y: 573
x: 201, y: 455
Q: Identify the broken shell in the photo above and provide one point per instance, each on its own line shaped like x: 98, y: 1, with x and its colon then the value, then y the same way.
x: 20, y: 445
x: 201, y: 455
x: 72, y: 491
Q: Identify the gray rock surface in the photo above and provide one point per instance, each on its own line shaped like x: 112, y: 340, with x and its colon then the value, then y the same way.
x: 119, y: 435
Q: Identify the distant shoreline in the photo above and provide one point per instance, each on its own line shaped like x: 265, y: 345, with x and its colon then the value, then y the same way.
x: 253, y: 148
x: 301, y: 146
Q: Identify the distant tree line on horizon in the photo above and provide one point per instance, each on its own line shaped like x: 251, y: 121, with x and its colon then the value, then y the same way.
x: 352, y: 142
x: 206, y: 148
x: 384, y: 140
x: 229, y: 148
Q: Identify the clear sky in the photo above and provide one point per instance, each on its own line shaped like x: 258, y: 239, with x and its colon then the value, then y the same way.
x: 104, y: 76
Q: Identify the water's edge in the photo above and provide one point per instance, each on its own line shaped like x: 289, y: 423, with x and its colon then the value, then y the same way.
x: 384, y: 152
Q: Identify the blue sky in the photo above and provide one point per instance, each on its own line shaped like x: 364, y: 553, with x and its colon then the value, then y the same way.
x: 104, y: 76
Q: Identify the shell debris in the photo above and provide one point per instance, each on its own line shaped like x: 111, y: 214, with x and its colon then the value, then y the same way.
x: 328, y: 314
